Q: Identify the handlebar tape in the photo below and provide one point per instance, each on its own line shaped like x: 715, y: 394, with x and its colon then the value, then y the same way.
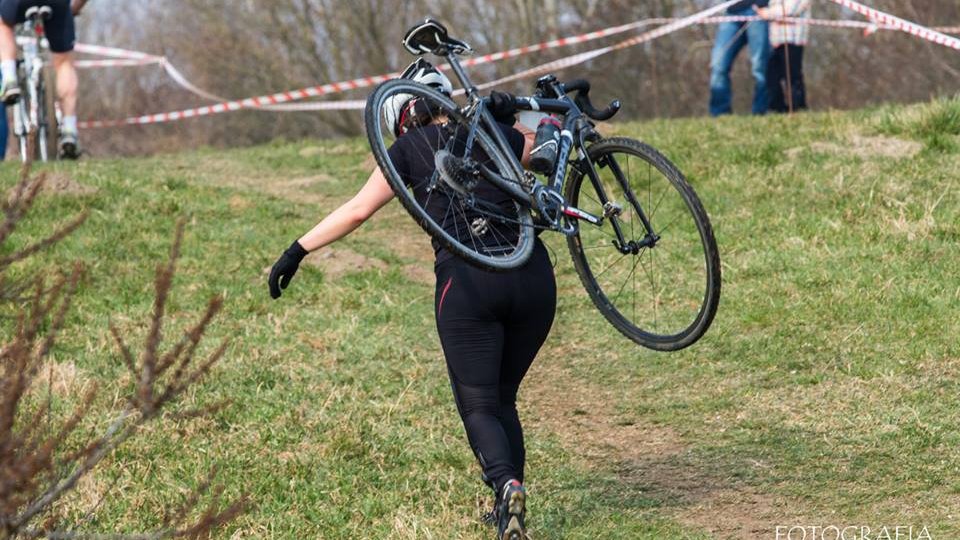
x: 582, y: 88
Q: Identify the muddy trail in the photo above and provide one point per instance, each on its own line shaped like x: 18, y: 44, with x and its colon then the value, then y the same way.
x: 649, y: 458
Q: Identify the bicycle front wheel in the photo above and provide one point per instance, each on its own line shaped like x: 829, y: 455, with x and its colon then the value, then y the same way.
x: 434, y: 171
x: 659, y: 286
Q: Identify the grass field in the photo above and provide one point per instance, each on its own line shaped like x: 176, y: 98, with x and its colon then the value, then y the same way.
x: 826, y: 392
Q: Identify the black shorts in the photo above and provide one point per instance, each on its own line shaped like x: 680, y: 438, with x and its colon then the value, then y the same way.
x: 59, y: 28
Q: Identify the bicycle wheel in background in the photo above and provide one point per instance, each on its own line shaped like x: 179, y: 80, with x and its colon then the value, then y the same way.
x: 662, y: 297
x: 42, y: 132
x: 465, y: 212
x: 48, y: 130
x: 20, y: 123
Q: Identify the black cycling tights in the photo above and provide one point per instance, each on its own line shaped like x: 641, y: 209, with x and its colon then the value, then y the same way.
x: 491, y: 326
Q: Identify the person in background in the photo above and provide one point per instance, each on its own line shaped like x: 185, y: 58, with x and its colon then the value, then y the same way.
x: 731, y: 38
x: 61, y: 35
x: 788, y: 39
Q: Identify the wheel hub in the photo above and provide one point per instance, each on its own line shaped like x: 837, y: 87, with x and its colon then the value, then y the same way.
x: 461, y: 174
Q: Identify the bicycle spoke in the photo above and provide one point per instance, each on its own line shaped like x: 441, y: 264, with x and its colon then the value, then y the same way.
x: 626, y: 182
x: 614, y: 263
x: 470, y: 235
x: 634, y: 274
x: 587, y: 195
x: 629, y: 276
x: 653, y: 289
x: 463, y: 212
x: 649, y: 190
x: 656, y: 299
x: 667, y: 227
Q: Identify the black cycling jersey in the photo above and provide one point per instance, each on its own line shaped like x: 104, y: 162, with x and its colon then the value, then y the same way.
x: 59, y: 28
x: 412, y: 155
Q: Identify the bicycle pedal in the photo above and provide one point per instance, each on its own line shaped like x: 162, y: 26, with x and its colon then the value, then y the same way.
x: 611, y: 209
x: 479, y: 227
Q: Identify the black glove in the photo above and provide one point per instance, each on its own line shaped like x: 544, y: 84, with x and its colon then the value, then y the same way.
x: 503, y: 107
x: 284, y: 269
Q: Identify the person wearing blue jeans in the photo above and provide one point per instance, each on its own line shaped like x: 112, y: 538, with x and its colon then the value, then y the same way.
x: 731, y: 38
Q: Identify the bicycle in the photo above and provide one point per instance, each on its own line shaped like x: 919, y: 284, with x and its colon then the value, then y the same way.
x: 32, y: 112
x: 623, y: 200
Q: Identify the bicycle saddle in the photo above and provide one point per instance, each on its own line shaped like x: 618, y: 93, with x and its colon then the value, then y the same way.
x: 42, y: 12
x: 431, y: 36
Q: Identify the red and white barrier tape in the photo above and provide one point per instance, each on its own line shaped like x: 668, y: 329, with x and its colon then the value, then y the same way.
x: 280, y: 101
x: 117, y: 62
x: 580, y: 58
x: 248, y: 103
x: 885, y: 19
x: 285, y: 97
x: 113, y: 52
x: 278, y: 104
x: 867, y: 26
x: 561, y: 42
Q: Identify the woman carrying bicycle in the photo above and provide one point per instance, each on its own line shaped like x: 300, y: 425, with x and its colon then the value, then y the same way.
x: 491, y: 324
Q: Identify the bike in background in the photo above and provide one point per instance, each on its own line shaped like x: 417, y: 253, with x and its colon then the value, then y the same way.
x: 35, y: 111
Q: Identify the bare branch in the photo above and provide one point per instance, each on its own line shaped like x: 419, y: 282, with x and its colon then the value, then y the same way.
x: 30, y: 457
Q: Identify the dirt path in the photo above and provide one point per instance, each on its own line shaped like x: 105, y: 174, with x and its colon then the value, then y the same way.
x: 650, y: 458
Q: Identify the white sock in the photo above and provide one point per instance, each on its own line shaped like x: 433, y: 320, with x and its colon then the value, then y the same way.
x: 69, y: 124
x: 8, y: 68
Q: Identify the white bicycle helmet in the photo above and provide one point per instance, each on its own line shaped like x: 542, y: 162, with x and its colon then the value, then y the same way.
x: 422, y: 72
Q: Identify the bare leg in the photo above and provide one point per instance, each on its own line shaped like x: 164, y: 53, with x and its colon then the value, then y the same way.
x: 67, y: 93
x: 66, y: 82
x: 8, y: 65
x: 8, y: 43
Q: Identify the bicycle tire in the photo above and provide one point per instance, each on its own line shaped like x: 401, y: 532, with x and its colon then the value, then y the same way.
x: 48, y: 117
x: 21, y: 123
x: 693, y: 268
x: 500, y: 235
x: 43, y: 148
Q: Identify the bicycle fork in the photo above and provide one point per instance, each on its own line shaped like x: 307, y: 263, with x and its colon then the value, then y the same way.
x: 612, y: 210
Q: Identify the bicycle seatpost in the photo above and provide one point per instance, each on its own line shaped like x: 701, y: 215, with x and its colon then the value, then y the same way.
x: 462, y: 75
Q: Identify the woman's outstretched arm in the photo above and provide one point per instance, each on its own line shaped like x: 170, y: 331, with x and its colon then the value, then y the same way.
x: 351, y: 214
x: 341, y: 222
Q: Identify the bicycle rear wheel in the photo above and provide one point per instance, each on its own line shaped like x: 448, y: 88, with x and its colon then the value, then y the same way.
x: 469, y: 214
x: 663, y: 296
x: 42, y: 131
x: 48, y: 114
x: 21, y: 121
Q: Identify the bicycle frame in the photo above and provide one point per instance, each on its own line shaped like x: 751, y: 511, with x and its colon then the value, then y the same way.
x: 469, y: 192
x: 548, y: 199
x: 27, y: 118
